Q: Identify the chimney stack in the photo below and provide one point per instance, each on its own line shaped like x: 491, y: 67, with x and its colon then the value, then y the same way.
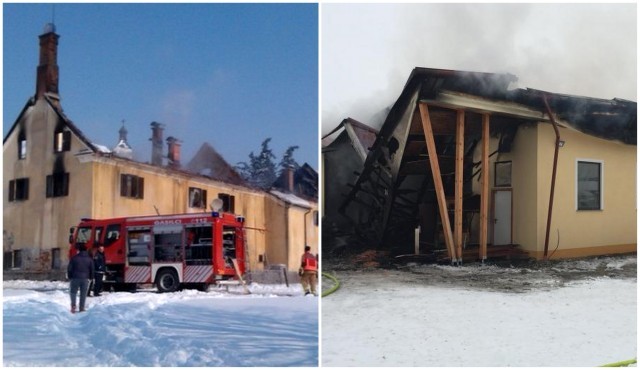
x: 47, y: 72
x: 156, y: 143
x: 289, y: 178
x: 174, y: 152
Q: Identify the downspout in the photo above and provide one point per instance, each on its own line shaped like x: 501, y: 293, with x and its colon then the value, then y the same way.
x: 305, y: 226
x: 553, y: 176
x: 286, y: 234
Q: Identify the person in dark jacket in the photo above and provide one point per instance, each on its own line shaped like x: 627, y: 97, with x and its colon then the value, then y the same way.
x: 99, y: 269
x: 79, y: 271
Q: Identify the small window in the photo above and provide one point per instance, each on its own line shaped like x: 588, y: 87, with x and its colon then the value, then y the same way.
x: 55, y: 259
x: 589, y: 186
x: 502, y: 174
x: 22, y: 146
x: 62, y: 141
x: 131, y: 186
x: 228, y: 202
x: 58, y: 185
x: 18, y: 190
x: 197, y: 198
x: 315, y: 218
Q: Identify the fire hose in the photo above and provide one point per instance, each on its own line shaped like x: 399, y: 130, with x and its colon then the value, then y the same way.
x: 621, y: 363
x: 336, y: 284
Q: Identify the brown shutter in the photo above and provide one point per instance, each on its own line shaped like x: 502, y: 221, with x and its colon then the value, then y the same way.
x: 49, y: 186
x: 123, y: 185
x: 204, y: 199
x: 141, y: 187
x: 12, y: 190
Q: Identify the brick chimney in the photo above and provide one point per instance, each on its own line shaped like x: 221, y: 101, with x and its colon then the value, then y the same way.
x: 47, y: 76
x: 289, y: 178
x: 174, y: 152
x: 157, y: 130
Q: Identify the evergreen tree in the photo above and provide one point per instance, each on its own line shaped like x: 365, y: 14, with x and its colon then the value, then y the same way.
x: 287, y: 159
x: 261, y: 170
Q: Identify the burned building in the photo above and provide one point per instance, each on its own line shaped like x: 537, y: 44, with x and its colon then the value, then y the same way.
x: 54, y: 175
x: 465, y: 168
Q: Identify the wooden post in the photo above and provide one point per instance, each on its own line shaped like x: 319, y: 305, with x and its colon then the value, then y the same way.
x: 457, y: 223
x: 484, y: 194
x: 437, y: 179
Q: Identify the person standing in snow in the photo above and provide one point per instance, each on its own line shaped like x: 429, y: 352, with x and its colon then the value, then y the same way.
x: 99, y: 269
x: 309, y: 268
x: 79, y: 271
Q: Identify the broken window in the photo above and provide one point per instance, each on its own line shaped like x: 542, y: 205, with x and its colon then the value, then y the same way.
x: 197, y: 198
x: 62, y: 141
x: 18, y: 189
x: 22, y: 146
x: 589, y: 178
x: 131, y: 186
x: 58, y: 185
x: 228, y: 202
x: 502, y: 174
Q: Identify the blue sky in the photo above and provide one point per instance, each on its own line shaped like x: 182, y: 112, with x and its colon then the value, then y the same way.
x: 227, y: 74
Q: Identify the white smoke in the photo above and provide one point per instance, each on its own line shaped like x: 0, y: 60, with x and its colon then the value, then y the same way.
x: 369, y: 50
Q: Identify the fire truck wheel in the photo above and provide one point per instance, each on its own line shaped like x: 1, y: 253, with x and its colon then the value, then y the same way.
x: 167, y: 281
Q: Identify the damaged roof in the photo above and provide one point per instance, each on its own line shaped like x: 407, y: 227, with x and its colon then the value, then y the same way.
x: 209, y: 163
x: 361, y: 136
x: 613, y: 119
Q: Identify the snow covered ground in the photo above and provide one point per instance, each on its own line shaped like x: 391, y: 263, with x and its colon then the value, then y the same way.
x: 274, y: 326
x: 393, y: 318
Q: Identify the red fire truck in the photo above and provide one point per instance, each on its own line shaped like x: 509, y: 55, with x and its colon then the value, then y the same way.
x: 173, y: 252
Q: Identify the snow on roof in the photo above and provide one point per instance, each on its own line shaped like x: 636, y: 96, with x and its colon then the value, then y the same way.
x: 101, y: 148
x: 292, y: 199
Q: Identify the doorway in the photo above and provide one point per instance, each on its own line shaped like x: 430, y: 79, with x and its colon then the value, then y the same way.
x: 502, y: 217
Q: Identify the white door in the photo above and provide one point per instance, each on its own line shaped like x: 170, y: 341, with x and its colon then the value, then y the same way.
x: 502, y: 217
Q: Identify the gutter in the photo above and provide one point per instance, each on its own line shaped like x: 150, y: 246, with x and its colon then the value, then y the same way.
x: 553, y: 176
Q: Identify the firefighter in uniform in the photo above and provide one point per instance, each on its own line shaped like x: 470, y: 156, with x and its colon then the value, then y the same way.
x: 309, y: 269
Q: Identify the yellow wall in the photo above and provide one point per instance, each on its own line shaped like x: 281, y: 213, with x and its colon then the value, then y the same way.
x: 286, y: 232
x: 581, y: 233
x: 615, y: 224
x: 38, y: 224
x: 169, y: 192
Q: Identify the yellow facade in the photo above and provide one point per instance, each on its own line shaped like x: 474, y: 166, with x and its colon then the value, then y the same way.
x: 573, y: 232
x: 38, y: 225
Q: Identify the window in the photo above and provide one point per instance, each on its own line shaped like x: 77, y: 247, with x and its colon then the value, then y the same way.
x: 113, y: 234
x: 22, y: 146
x: 315, y: 218
x: 61, y: 141
x: 12, y: 259
x: 131, y: 186
x: 18, y: 190
x: 502, y: 174
x: 228, y: 202
x: 197, y: 198
x: 55, y: 259
x: 97, y: 235
x: 58, y: 185
x: 589, y: 185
